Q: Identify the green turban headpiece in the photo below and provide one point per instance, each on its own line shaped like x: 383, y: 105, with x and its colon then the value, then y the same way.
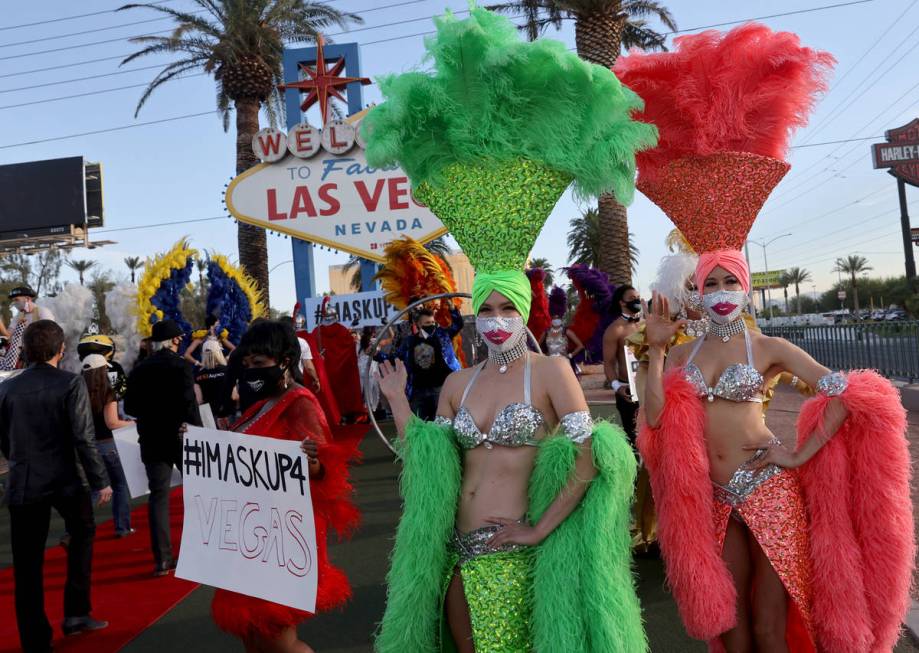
x: 494, y: 135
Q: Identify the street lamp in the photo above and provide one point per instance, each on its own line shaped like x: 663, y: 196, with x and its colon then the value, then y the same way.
x: 279, y: 265
x: 764, y: 245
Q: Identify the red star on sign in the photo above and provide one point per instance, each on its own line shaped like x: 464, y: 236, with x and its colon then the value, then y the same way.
x: 321, y: 83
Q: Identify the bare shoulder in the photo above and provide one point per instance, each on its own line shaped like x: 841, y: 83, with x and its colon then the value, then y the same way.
x: 770, y: 344
x: 458, y: 379
x: 551, y: 364
x: 613, y: 330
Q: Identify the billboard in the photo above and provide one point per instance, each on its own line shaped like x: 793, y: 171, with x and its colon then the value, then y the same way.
x: 770, y: 279
x: 42, y: 198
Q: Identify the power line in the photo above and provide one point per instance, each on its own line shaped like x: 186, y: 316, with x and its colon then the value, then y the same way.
x: 82, y: 79
x: 167, y: 31
x: 58, y: 20
x: 92, y: 31
x: 844, y: 140
x: 160, y: 224
x: 781, y: 15
x: 91, y: 93
x: 838, y: 82
x: 107, y: 130
x: 407, y: 36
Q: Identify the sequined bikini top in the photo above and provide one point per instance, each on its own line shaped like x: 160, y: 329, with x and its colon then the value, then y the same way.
x: 738, y: 382
x: 515, y: 425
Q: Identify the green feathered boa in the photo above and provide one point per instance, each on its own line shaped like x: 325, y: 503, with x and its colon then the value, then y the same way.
x: 584, y: 598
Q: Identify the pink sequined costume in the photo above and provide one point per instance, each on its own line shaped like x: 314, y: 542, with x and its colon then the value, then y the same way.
x: 838, y: 531
x: 849, y: 506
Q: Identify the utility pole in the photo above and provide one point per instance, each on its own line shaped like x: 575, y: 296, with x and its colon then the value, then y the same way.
x: 905, y: 228
x: 764, y: 245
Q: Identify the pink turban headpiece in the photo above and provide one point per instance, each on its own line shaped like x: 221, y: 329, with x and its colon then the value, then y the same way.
x: 731, y: 260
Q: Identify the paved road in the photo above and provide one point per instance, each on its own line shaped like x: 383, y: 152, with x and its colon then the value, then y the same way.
x: 188, y: 626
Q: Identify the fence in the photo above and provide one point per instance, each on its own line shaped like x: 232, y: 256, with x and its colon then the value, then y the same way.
x: 891, y: 348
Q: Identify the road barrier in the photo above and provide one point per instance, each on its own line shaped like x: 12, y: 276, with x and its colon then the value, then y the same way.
x: 892, y: 348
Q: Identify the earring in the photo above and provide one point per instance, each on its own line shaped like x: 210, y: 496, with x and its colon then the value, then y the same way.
x: 695, y: 300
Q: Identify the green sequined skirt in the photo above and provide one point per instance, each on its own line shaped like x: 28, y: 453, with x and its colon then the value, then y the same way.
x: 497, y: 586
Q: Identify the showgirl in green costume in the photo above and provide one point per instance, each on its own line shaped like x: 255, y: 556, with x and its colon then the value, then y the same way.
x: 513, y: 538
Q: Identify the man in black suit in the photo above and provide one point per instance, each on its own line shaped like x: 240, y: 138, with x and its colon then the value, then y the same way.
x: 46, y: 425
x: 161, y: 395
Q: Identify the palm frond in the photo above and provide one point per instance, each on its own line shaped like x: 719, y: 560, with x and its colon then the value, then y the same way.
x: 171, y: 71
x: 649, y: 9
x: 636, y: 34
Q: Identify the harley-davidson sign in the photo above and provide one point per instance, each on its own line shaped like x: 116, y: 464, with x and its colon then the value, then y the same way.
x: 317, y: 186
x: 900, y: 153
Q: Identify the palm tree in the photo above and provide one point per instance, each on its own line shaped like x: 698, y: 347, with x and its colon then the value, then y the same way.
x: 586, y: 244
x: 853, y: 265
x: 602, y: 28
x: 241, y: 43
x: 81, y: 267
x: 437, y: 247
x: 785, y: 281
x: 546, y: 267
x: 797, y: 276
x: 134, y: 263
x: 201, y: 265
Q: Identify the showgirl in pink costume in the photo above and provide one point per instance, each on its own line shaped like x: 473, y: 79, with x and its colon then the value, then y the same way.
x: 769, y: 546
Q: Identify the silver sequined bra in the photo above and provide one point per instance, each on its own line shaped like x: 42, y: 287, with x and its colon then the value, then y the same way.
x: 738, y: 382
x: 515, y: 425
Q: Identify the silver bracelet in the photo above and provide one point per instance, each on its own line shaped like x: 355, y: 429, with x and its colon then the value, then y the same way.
x: 832, y: 384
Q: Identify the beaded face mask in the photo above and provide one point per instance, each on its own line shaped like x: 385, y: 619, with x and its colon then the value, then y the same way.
x: 724, y: 306
x: 501, y: 334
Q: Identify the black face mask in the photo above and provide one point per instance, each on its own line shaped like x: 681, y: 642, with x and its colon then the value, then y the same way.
x: 263, y: 381
x: 428, y: 330
x: 634, y: 305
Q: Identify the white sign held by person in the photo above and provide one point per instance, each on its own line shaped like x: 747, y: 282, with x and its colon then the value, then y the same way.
x: 631, y: 365
x: 134, y: 471
x: 248, y: 517
x: 355, y: 310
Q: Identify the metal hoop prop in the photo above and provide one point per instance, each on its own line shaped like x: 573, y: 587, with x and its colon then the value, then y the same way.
x: 390, y: 326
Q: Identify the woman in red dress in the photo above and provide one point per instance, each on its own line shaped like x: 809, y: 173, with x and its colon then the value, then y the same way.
x: 288, y: 411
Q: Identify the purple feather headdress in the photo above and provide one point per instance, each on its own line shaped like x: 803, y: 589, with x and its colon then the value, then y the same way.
x: 558, y: 302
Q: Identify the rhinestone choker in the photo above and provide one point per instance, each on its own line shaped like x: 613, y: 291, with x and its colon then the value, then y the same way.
x: 726, y: 331
x: 501, y: 359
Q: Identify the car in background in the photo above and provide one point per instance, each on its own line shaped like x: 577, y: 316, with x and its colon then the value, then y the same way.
x: 895, y: 314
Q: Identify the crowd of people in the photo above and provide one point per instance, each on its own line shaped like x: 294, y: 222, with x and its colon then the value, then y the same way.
x: 520, y: 511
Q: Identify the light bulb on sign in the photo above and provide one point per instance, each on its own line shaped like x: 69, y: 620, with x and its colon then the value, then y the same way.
x: 270, y: 144
x: 303, y: 140
x: 338, y: 137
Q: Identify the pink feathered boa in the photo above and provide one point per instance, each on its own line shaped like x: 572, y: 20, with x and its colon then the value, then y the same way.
x: 859, y: 510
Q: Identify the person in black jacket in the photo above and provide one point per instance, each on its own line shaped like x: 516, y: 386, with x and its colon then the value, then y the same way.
x: 46, y: 433
x: 161, y: 395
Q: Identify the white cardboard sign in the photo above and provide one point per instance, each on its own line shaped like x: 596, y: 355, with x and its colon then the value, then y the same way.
x: 355, y: 310
x: 134, y: 470
x: 631, y: 365
x: 249, y: 524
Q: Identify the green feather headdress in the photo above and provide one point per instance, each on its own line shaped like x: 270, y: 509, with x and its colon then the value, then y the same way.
x: 493, y: 136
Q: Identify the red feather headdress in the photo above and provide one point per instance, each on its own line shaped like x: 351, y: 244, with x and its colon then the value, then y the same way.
x: 725, y: 105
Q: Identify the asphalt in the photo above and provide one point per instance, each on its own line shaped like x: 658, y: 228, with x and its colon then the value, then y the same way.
x: 188, y: 626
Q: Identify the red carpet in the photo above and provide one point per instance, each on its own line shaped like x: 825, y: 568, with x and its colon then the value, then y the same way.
x: 124, y: 591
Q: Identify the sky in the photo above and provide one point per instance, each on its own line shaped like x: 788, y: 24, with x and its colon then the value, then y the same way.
x: 831, y: 204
